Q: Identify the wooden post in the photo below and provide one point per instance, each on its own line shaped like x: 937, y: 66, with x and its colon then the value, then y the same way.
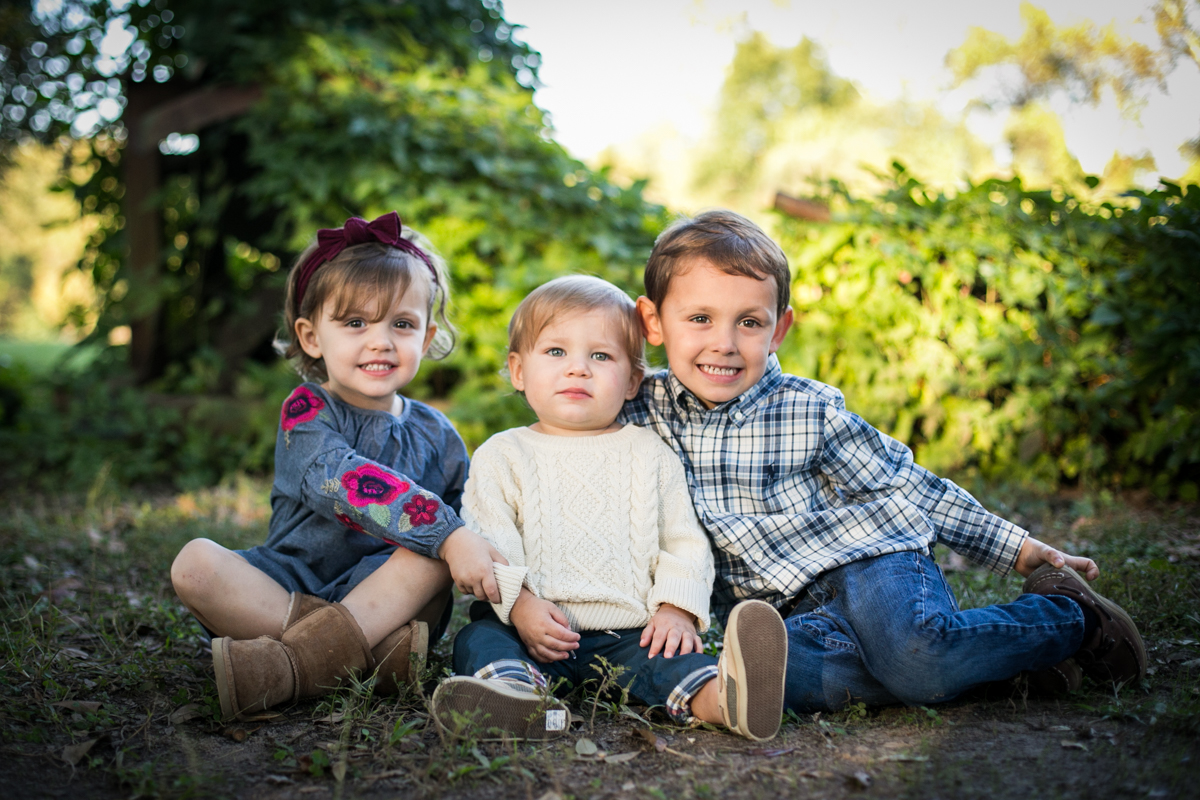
x: 153, y: 111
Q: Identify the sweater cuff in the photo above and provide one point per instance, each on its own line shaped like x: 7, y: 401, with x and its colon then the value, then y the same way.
x: 685, y: 594
x: 509, y: 580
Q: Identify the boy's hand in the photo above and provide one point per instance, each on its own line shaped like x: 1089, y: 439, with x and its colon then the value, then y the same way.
x: 1034, y: 553
x: 470, y: 558
x: 543, y: 628
x: 670, y: 629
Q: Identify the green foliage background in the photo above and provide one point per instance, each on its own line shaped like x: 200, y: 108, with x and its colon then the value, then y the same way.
x: 1025, y: 334
x: 1017, y: 333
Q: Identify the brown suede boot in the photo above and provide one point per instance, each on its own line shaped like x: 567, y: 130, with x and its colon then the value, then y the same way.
x: 395, y: 656
x: 408, y: 643
x: 317, y: 651
x: 299, y: 606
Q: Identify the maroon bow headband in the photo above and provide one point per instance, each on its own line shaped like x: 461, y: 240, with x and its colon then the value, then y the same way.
x: 331, y: 241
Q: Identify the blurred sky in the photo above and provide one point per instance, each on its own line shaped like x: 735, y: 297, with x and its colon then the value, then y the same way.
x: 616, y: 68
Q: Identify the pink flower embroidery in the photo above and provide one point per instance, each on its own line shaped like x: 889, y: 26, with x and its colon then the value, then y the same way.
x: 369, y: 484
x: 301, y: 406
x: 421, y: 510
x: 349, y: 523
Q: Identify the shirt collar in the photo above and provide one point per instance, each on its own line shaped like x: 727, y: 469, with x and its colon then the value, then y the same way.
x: 737, y: 408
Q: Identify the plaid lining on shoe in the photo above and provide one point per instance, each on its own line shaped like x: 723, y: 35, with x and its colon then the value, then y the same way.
x: 679, y: 703
x: 513, y: 671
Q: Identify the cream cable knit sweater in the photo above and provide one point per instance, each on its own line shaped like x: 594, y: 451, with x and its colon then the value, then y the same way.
x: 602, y: 526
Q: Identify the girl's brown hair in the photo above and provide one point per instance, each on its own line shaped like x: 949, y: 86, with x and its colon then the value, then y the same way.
x: 362, y: 277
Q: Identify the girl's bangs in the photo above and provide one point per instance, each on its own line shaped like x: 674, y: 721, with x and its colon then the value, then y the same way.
x: 368, y: 288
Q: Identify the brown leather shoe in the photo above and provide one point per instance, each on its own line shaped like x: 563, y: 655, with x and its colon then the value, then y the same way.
x: 1062, y: 678
x: 318, y: 651
x: 1115, y: 651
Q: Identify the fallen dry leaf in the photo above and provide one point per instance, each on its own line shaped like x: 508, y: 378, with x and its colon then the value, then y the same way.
x: 628, y: 786
x: 82, y: 706
x: 62, y: 589
x: 551, y: 795
x: 1070, y: 745
x: 820, y: 774
x: 73, y: 652
x: 73, y: 753
x: 859, y: 780
x: 621, y: 758
x: 185, y: 713
x: 237, y: 734
x: 339, y: 770
x: 771, y: 753
x: 586, y: 747
x: 903, y: 757
x: 659, y: 743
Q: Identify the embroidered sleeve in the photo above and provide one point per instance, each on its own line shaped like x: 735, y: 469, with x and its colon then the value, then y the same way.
x: 314, y: 462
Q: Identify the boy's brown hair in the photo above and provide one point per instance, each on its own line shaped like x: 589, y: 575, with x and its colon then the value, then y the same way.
x: 579, y: 294
x: 362, y: 277
x: 729, y: 241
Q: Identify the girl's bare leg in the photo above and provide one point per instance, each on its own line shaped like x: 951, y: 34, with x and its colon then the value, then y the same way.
x: 227, y: 594
x: 394, y: 594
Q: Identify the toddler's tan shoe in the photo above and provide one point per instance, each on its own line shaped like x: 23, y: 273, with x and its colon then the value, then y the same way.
x: 752, y: 669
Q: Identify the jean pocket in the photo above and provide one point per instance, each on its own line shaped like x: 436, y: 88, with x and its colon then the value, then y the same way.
x: 821, y: 629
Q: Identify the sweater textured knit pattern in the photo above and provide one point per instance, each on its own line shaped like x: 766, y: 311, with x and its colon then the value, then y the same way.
x: 601, y: 526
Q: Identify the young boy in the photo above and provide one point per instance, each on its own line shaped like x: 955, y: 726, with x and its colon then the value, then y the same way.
x: 819, y: 514
x: 605, y: 557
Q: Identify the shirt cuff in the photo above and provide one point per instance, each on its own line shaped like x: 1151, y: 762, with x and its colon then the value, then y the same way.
x: 509, y: 580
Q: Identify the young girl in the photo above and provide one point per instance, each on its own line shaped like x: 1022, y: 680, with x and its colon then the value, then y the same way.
x: 607, y: 557
x: 364, y: 535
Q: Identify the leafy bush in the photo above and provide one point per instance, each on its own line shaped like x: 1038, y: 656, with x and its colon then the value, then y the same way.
x: 1023, y: 334
x: 69, y: 428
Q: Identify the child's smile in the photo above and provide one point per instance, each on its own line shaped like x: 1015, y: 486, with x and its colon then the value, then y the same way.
x: 718, y: 330
x: 369, y: 361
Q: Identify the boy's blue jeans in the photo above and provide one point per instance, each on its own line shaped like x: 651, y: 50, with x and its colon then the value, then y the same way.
x: 888, y: 630
x: 651, y: 681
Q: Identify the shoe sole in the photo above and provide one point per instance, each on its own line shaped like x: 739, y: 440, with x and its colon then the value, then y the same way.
x: 493, y: 706
x: 1109, y: 606
x: 758, y: 679
x: 223, y: 688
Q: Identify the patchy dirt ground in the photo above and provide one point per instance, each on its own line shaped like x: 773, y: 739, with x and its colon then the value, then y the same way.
x: 983, y: 747
x: 106, y: 690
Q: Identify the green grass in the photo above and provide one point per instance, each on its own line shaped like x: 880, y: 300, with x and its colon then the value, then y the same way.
x: 94, y: 646
x: 40, y: 357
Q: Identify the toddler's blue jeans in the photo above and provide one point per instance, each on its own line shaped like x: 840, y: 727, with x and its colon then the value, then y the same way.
x: 888, y: 630
x: 489, y: 648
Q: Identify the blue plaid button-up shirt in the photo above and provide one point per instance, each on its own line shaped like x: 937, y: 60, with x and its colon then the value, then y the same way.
x: 789, y: 484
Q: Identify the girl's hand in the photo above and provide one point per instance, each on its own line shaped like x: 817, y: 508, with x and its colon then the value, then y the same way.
x: 671, y: 628
x: 543, y: 628
x: 470, y: 558
x: 1034, y: 553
